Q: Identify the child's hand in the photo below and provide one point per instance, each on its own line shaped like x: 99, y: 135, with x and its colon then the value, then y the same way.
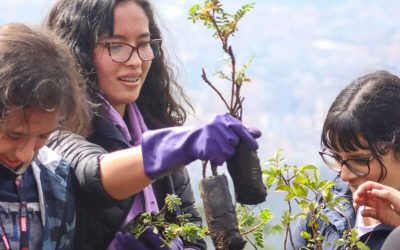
x: 381, y: 202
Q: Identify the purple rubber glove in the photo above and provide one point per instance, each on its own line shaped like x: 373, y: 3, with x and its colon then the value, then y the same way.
x: 166, y: 149
x: 146, y: 241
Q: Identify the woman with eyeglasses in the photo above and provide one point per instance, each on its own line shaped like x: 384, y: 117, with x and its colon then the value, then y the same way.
x: 361, y: 142
x: 139, y: 110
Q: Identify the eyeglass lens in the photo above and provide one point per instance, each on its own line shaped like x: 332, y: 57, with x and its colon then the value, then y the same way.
x: 121, y: 52
x: 357, y: 166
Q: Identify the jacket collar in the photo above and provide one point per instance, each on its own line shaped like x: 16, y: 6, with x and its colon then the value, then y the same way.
x: 343, y: 216
x: 104, y: 128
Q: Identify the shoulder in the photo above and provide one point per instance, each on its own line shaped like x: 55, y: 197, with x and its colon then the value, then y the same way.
x: 51, y: 161
x: 72, y: 146
x: 47, y: 157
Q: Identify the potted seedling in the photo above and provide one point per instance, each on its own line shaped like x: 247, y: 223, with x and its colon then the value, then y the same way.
x: 244, y: 166
x: 182, y: 227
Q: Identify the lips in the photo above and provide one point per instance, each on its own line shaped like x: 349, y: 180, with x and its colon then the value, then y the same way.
x: 129, y: 78
x: 13, y: 164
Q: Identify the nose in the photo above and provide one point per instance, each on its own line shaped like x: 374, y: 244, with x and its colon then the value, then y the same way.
x: 346, y: 175
x: 134, y: 59
x: 26, y: 151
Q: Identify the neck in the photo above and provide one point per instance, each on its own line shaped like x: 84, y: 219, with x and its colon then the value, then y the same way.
x: 120, y: 109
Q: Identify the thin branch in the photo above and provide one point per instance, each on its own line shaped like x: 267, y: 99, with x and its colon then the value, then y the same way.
x: 291, y: 237
x: 248, y: 240
x: 204, y: 76
x: 221, y: 37
x: 234, y: 94
x: 214, y: 170
x: 235, y: 91
x: 204, y: 168
x: 238, y: 108
x: 252, y: 229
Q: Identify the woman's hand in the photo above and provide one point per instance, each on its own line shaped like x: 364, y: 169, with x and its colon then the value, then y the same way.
x: 381, y: 202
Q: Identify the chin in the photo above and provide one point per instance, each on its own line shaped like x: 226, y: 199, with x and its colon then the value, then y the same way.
x: 132, y: 97
x: 353, y: 189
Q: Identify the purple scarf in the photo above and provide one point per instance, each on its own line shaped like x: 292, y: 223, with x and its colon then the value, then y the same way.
x: 132, y: 132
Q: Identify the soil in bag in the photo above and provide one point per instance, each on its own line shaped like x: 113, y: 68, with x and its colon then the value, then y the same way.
x: 220, y: 213
x: 245, y: 169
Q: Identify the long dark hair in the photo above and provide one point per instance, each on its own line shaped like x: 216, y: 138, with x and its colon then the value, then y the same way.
x: 366, y: 110
x: 38, y: 71
x: 81, y: 22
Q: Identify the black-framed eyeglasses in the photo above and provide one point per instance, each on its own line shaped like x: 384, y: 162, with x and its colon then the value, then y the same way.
x: 359, y: 166
x: 122, y: 52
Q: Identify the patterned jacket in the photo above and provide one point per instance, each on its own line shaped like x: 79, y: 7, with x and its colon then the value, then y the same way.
x: 56, y: 199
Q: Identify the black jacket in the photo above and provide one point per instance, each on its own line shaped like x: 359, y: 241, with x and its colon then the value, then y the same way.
x: 99, y: 216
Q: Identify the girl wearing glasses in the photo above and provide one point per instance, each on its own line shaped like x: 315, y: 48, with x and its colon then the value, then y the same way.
x: 117, y: 43
x: 361, y: 141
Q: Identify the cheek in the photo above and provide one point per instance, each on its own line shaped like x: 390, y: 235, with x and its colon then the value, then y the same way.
x: 102, y: 61
x: 103, y: 70
x: 7, y: 144
x: 393, y: 174
x: 375, y: 172
x: 146, y: 68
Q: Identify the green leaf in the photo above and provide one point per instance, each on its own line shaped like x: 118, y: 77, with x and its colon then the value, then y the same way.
x: 172, y: 201
x: 325, y: 218
x: 283, y: 187
x: 276, y: 229
x: 300, y: 191
x: 305, y: 235
x: 270, y: 181
x: 266, y: 215
x: 308, y: 167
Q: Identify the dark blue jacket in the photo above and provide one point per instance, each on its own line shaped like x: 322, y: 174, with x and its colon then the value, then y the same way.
x: 56, y: 199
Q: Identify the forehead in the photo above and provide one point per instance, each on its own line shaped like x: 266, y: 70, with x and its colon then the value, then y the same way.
x: 130, y: 19
x: 33, y: 120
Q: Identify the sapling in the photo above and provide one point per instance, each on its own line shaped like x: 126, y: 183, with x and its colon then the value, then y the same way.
x: 182, y: 228
x: 244, y: 166
x: 304, y: 188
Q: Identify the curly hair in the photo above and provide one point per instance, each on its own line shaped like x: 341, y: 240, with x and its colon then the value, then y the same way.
x: 80, y: 23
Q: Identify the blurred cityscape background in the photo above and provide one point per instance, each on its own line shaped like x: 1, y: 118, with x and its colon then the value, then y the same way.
x: 305, y: 53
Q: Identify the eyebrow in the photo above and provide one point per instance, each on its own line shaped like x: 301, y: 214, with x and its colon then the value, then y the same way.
x: 143, y: 35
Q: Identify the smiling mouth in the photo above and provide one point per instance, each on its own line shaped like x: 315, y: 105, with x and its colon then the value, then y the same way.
x: 13, y: 164
x: 129, y: 79
x: 16, y: 166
